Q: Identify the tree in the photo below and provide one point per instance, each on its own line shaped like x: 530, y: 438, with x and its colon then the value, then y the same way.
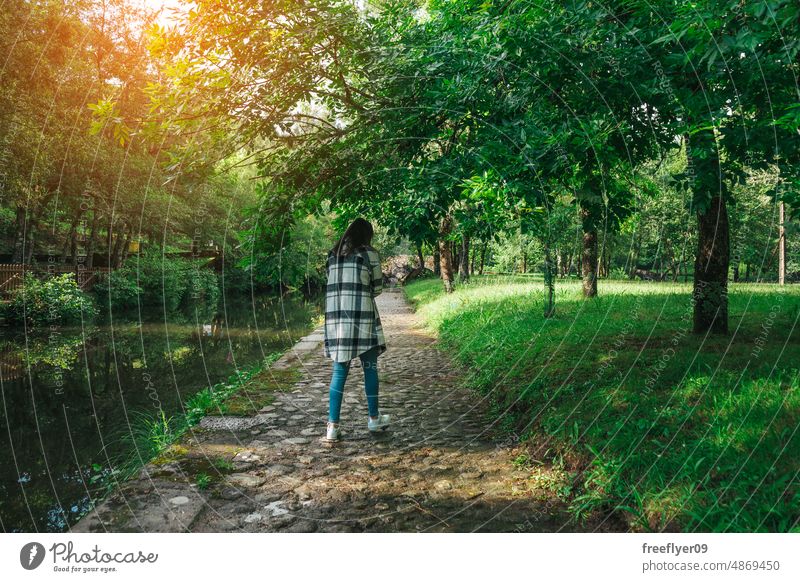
x: 729, y: 74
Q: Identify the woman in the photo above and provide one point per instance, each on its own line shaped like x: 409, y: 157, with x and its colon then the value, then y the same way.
x: 352, y: 324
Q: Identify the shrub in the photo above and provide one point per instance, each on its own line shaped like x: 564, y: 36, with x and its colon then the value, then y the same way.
x: 120, y: 289
x: 159, y: 280
x: 52, y: 301
x: 202, y: 285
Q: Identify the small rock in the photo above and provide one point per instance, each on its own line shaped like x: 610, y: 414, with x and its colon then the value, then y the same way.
x: 275, y: 508
x: 230, y: 493
x: 297, y: 441
x: 278, y: 470
x: 245, y: 480
x: 246, y: 457
x: 303, y: 526
x: 283, y: 521
x: 253, y: 518
x: 179, y: 500
x: 471, y: 475
x: 305, y: 459
x: 443, y: 485
x: 266, y: 497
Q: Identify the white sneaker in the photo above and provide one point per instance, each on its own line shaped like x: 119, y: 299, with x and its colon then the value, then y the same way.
x: 333, y: 432
x: 382, y: 423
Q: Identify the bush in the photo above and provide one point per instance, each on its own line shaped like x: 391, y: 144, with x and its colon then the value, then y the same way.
x: 120, y: 289
x: 203, y: 286
x: 52, y: 301
x: 159, y: 280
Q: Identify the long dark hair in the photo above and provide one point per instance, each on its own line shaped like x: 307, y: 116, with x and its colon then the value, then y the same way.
x: 358, y: 234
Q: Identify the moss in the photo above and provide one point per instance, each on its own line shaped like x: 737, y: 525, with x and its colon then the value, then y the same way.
x: 172, y: 453
x: 260, y: 391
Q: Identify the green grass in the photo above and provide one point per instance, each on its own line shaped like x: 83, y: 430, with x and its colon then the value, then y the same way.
x: 150, y: 437
x: 673, y: 430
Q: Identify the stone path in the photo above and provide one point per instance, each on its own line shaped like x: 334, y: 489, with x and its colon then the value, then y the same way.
x: 436, y: 469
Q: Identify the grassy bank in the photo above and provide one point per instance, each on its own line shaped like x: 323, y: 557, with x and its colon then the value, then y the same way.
x: 672, y: 430
x: 156, y: 438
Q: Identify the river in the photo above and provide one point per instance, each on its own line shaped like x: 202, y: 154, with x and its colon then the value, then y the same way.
x: 69, y: 395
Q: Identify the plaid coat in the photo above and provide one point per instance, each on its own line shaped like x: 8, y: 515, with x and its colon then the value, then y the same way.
x: 352, y: 323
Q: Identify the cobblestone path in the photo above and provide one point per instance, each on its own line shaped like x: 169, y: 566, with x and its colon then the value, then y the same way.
x: 436, y: 469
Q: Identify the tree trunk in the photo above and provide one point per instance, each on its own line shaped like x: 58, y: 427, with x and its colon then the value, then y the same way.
x: 589, y: 256
x: 420, y: 257
x: 711, y: 269
x: 736, y: 272
x: 69, y: 243
x: 781, y: 244
x: 92, y: 241
x: 568, y: 265
x: 747, y: 273
x: 549, y: 283
x: 463, y: 267
x: 682, y: 264
x: 445, y: 255
x: 126, y: 247
x: 19, y: 236
x: 109, y: 239
x: 483, y: 257
x: 30, y: 243
x: 437, y: 263
x: 602, y: 266
x: 116, y: 255
x: 472, y: 263
x: 633, y: 257
x: 559, y: 263
x: 711, y: 263
x: 73, y: 245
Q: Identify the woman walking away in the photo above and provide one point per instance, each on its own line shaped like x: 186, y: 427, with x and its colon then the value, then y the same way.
x: 352, y: 324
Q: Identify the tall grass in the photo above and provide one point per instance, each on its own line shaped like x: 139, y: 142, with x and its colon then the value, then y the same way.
x: 148, y: 435
x: 673, y: 430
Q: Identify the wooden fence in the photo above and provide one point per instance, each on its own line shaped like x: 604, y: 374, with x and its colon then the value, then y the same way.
x: 13, y: 275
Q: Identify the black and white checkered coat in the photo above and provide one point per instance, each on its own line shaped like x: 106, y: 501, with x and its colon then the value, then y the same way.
x: 352, y: 323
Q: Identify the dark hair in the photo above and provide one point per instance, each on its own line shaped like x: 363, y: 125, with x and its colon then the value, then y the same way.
x: 358, y: 234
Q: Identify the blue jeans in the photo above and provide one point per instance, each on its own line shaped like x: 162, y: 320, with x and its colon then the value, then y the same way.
x: 369, y: 361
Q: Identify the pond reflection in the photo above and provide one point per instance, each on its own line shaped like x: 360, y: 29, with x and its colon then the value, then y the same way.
x: 69, y: 394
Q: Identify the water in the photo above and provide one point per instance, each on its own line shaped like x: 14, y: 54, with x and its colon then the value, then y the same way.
x: 66, y: 395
